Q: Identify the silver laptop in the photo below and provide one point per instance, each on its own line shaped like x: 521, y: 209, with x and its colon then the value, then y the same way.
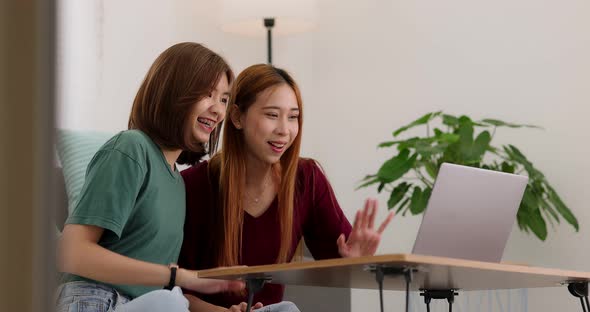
x: 470, y: 213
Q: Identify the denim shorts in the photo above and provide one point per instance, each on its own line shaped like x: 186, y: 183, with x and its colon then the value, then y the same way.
x: 283, y: 306
x: 83, y: 296
x: 93, y: 297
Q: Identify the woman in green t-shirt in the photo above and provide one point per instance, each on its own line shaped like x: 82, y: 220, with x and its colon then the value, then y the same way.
x: 120, y: 243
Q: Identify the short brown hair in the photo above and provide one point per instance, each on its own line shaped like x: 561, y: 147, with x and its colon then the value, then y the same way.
x: 180, y: 77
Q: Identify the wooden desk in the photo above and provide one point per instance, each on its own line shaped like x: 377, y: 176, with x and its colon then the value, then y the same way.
x: 430, y: 273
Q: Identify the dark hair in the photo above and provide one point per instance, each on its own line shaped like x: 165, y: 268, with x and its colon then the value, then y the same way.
x: 179, y: 78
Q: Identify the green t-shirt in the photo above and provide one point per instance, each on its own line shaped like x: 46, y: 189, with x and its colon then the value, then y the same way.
x: 132, y: 193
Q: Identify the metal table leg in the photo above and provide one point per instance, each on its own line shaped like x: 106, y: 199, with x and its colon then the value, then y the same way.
x: 254, y: 285
x: 381, y: 271
x: 580, y: 290
x: 448, y: 294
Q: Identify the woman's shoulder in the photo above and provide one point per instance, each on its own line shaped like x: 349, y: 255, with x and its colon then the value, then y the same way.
x: 310, y: 171
x: 308, y: 165
x: 195, y: 172
x: 131, y: 142
x: 197, y: 184
x: 134, y: 144
x: 130, y: 138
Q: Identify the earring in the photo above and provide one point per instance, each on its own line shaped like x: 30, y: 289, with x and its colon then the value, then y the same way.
x: 238, y: 126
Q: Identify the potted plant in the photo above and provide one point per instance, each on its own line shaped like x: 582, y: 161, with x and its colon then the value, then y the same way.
x: 409, y: 175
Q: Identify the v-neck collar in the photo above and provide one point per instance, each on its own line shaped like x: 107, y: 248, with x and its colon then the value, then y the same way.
x: 273, y: 206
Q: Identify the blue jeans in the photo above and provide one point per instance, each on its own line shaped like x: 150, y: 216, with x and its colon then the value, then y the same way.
x: 283, y: 306
x: 91, y: 297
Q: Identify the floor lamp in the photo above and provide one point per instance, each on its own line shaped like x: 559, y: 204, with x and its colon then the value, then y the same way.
x: 277, y: 17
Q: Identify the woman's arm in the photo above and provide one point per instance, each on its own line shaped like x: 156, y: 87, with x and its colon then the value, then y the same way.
x: 80, y: 254
x: 324, y: 220
x: 328, y: 233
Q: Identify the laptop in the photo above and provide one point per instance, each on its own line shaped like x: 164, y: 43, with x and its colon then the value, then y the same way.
x: 470, y: 213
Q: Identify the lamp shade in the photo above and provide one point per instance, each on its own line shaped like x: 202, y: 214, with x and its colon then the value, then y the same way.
x: 245, y: 17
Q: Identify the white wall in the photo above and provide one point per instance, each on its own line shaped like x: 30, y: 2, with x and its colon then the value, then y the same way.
x: 107, y: 46
x: 370, y: 67
x: 380, y: 64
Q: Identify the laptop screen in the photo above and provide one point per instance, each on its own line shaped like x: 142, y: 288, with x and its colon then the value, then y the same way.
x: 470, y: 213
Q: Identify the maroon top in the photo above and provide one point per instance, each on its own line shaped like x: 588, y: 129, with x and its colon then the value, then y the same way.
x: 316, y: 216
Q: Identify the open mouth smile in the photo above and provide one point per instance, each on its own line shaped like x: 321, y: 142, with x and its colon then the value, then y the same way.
x: 277, y: 147
x: 206, y: 124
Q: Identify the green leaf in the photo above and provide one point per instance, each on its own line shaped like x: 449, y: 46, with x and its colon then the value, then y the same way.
x: 450, y: 120
x: 537, y: 224
x: 413, y: 143
x: 426, y: 150
x: 447, y: 137
x: 431, y: 169
x: 369, y: 176
x: 465, y: 142
x: 519, y: 155
x: 389, y: 143
x: 466, y: 120
x: 496, y: 151
x: 521, y: 218
x: 508, y: 168
x: 416, y: 200
x: 368, y: 182
x: 396, y: 167
x: 493, y: 149
x: 530, y: 218
x: 563, y: 210
x: 546, y: 206
x: 480, y: 146
x: 402, y: 205
x: 420, y: 121
x: 500, y: 123
x: 530, y: 200
x: 398, y: 194
x: 419, y: 200
x: 515, y: 155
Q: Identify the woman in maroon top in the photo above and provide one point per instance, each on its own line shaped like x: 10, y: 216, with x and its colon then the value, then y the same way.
x: 255, y: 200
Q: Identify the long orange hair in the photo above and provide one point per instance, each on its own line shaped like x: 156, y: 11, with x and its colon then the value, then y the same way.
x: 230, y: 166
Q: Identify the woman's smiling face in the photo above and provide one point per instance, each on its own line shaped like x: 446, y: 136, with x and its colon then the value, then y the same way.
x: 271, y: 123
x: 209, y: 111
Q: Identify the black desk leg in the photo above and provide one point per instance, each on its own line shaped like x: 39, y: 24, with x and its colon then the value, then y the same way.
x: 448, y: 294
x: 253, y: 285
x: 382, y: 271
x: 580, y: 290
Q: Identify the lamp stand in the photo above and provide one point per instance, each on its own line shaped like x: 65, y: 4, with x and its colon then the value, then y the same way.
x: 269, y: 24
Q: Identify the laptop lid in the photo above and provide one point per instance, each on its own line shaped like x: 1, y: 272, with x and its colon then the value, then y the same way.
x: 470, y: 213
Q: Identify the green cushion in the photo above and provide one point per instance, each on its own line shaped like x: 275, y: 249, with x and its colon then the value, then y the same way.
x: 75, y: 149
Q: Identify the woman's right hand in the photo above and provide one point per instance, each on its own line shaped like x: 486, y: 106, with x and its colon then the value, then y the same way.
x: 243, y: 306
x: 198, y: 305
x: 190, y: 280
